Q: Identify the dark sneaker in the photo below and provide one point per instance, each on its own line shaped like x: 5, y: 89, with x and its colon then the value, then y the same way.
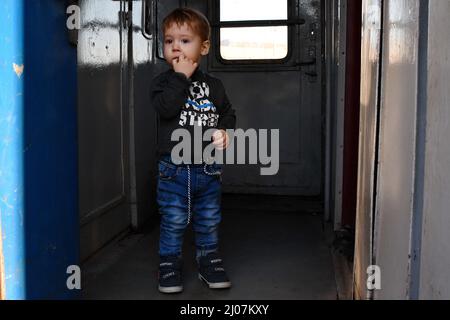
x: 212, y: 272
x: 170, y: 275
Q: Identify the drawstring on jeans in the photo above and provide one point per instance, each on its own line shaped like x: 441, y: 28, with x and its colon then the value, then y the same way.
x: 189, y: 195
x: 216, y: 173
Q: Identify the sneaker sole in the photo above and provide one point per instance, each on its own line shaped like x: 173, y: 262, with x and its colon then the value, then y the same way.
x: 170, y: 290
x: 218, y: 285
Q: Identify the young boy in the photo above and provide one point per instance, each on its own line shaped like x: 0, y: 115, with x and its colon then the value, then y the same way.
x: 187, y: 98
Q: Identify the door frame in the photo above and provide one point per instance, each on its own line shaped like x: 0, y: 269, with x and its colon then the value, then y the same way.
x: 369, y: 144
x: 336, y: 63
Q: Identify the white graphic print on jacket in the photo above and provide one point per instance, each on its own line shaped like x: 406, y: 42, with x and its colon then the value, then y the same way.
x: 199, y: 110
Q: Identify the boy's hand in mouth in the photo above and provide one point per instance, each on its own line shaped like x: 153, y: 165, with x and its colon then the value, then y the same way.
x: 184, y: 65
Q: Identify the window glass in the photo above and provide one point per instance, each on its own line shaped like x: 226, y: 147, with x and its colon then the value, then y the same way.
x: 254, y: 43
x: 244, y: 10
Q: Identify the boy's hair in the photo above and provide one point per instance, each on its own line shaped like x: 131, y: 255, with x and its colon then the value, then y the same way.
x: 193, y: 18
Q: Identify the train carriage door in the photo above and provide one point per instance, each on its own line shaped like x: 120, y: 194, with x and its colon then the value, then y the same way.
x: 103, y: 117
x: 268, y: 55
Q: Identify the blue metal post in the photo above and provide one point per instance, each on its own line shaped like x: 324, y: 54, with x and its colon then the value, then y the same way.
x: 38, y: 150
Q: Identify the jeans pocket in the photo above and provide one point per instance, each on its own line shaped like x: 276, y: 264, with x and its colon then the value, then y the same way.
x: 167, y: 171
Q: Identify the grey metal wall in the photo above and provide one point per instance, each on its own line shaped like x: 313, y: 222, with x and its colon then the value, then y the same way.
x: 102, y: 124
x: 435, y: 242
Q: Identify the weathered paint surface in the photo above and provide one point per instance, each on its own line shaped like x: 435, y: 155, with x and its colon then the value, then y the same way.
x: 2, y: 267
x: 12, y: 146
x: 435, y: 257
x: 394, y: 206
x: 38, y: 158
x: 370, y: 64
x: 18, y: 69
x: 411, y: 242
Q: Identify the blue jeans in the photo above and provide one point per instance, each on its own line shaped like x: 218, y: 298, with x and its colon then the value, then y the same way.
x: 185, y: 194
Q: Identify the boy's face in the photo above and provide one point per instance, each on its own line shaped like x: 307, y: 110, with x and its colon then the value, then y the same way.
x: 180, y: 40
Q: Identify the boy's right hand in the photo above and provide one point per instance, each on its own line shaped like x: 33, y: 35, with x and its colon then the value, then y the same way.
x: 184, y: 65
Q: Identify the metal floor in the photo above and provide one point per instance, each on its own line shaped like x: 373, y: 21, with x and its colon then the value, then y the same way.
x: 273, y: 249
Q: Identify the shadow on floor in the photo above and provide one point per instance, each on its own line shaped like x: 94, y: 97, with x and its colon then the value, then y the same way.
x: 269, y: 254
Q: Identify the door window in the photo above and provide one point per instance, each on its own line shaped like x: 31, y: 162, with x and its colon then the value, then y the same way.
x: 254, y: 29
